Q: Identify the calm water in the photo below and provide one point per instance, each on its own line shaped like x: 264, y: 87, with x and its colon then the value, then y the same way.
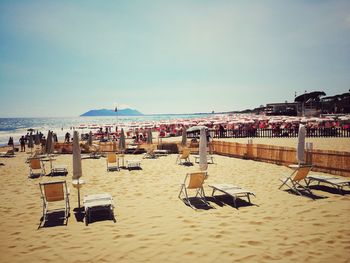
x: 17, y: 127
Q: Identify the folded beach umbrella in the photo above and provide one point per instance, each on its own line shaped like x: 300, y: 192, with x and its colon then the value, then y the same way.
x: 149, y: 136
x: 122, y: 140
x: 90, y: 138
x: 301, y: 144
x: 37, y: 138
x: 31, y: 142
x: 184, y: 137
x: 49, y: 147
x: 77, y: 171
x: 48, y: 143
x: 203, y: 162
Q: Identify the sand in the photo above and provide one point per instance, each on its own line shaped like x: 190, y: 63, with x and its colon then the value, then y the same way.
x: 153, y: 225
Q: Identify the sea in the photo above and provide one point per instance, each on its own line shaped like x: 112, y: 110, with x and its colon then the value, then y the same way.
x: 16, y: 127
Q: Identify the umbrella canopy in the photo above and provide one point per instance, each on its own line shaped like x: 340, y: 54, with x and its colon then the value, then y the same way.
x: 122, y: 140
x: 90, y: 138
x: 196, y: 128
x: 203, y: 162
x: 31, y: 141
x: 184, y: 137
x: 77, y: 171
x: 301, y: 144
x: 149, y: 136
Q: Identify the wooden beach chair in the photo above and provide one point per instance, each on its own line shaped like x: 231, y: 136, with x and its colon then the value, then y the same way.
x: 112, y: 162
x: 52, y: 192
x: 36, y: 168
x: 336, y: 182
x: 232, y: 190
x: 150, y: 153
x: 185, y: 155
x: 293, y: 182
x: 193, y: 181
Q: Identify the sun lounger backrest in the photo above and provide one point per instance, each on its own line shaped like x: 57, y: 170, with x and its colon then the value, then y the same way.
x: 185, y: 153
x: 54, y: 192
x: 111, y: 158
x: 35, y: 164
x: 196, y: 180
x: 301, y: 174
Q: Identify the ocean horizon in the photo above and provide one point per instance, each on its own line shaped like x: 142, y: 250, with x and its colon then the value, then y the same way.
x: 18, y: 126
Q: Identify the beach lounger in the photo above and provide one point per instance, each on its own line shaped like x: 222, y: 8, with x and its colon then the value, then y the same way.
x: 54, y: 192
x: 133, y: 164
x: 8, y: 153
x: 210, y: 158
x: 98, y: 202
x: 185, y: 155
x: 232, y: 190
x: 298, y: 175
x: 36, y: 168
x: 112, y: 162
x: 59, y: 169
x: 193, y: 181
x: 161, y: 152
x: 336, y: 182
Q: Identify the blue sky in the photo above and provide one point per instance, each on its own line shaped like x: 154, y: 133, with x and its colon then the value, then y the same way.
x: 62, y: 58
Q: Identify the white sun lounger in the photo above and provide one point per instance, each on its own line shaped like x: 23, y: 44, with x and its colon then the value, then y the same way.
x: 334, y: 181
x: 133, y: 164
x: 98, y: 202
x: 232, y: 190
x: 210, y: 158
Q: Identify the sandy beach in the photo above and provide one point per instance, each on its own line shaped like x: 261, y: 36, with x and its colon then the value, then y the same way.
x: 154, y: 225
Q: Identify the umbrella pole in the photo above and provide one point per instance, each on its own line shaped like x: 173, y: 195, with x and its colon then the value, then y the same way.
x: 78, y: 196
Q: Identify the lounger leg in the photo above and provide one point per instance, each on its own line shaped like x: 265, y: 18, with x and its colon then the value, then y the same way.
x: 248, y: 197
x: 182, y: 186
x: 234, y: 201
x: 285, y: 182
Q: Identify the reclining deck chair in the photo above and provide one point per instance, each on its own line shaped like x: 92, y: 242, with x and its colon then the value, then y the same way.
x: 36, y: 168
x: 336, y: 182
x: 232, y: 190
x: 193, y: 181
x: 150, y: 153
x: 54, y: 192
x: 112, y: 162
x: 185, y: 155
x: 9, y: 153
x: 299, y: 174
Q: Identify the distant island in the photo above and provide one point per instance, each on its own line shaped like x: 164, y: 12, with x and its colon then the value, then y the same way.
x: 106, y: 112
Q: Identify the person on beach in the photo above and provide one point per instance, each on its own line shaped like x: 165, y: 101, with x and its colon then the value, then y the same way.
x: 67, y: 137
x: 10, y: 143
x: 22, y: 142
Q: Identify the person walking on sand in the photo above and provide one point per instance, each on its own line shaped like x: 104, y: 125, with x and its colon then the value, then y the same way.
x: 22, y: 142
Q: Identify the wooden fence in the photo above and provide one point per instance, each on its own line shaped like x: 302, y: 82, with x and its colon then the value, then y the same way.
x: 332, y: 162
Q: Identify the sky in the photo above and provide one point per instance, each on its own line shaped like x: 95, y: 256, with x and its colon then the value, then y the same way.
x: 63, y: 58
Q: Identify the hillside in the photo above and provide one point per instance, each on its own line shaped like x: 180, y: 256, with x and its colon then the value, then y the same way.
x: 106, y: 112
